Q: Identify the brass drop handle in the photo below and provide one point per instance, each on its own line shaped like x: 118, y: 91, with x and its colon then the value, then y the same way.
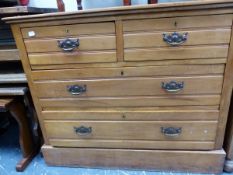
x: 76, y: 89
x: 171, y: 131
x: 68, y: 45
x: 173, y: 86
x: 175, y: 39
x: 83, y: 130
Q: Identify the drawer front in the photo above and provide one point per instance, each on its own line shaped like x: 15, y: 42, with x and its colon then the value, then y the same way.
x: 60, y: 58
x: 195, y: 37
x: 69, y: 30
x: 89, y: 43
x: 138, y: 101
x: 213, y: 21
x: 129, y: 132
x: 179, y: 70
x: 130, y: 87
x: 176, y: 53
x: 133, y: 114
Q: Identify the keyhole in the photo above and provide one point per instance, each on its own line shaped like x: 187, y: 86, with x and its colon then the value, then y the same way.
x: 175, y: 23
x: 123, y: 116
x: 67, y: 31
x: 122, y: 73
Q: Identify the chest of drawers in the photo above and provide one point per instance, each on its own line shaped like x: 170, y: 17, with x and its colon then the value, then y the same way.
x: 132, y: 87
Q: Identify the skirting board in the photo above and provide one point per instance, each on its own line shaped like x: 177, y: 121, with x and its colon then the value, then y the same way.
x: 165, y: 160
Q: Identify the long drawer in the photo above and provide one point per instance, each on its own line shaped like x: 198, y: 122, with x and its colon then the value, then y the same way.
x: 130, y: 87
x: 132, y: 134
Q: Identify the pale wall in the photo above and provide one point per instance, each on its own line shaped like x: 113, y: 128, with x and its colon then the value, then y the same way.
x: 87, y: 4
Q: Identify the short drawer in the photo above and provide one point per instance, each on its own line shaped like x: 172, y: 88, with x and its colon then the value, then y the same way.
x: 199, y: 37
x: 69, y: 30
x: 141, y: 86
x: 174, y: 23
x: 133, y: 134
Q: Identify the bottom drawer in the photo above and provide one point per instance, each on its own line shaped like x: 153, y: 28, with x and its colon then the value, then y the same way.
x: 132, y: 134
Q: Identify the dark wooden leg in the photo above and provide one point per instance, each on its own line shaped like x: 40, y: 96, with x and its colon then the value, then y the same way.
x: 127, y: 2
x: 60, y: 5
x: 152, y: 1
x: 79, y: 2
x: 34, y: 123
x: 28, y: 148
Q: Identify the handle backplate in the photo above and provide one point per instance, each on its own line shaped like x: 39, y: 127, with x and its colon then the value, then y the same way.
x: 83, y: 131
x: 171, y: 131
x: 77, y: 89
x: 173, y: 86
x: 175, y: 39
x: 68, y: 45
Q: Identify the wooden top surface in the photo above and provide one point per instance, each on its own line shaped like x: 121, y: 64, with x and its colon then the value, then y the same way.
x: 25, y: 10
x: 160, y: 7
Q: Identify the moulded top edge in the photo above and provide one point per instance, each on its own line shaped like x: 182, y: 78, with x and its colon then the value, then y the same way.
x: 123, y: 10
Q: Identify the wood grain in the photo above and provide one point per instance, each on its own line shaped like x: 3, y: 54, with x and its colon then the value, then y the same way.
x: 179, y: 100
x: 132, y: 114
x: 208, y: 161
x: 133, y: 64
x: 132, y: 130
x: 128, y: 72
x: 155, y: 108
x: 195, y: 7
x: 194, y: 37
x: 130, y: 87
x: 176, y: 53
x: 178, y: 23
x: 122, y: 72
x: 226, y: 96
x: 133, y: 144
x: 120, y: 40
x: 71, y: 30
x: 88, y: 43
x: 56, y: 58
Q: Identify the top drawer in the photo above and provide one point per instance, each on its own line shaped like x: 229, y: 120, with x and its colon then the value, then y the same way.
x: 195, y: 37
x: 69, y: 30
x: 71, y: 44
